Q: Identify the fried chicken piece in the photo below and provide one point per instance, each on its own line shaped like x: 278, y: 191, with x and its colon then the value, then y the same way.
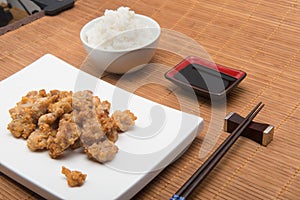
x: 85, y: 106
x: 40, y: 106
x: 103, y: 151
x: 41, y: 137
x: 123, y: 119
x: 92, y: 116
x: 22, y: 125
x: 25, y: 114
x: 45, y: 135
x: 119, y: 122
x: 74, y: 178
x: 66, y: 136
x: 102, y: 112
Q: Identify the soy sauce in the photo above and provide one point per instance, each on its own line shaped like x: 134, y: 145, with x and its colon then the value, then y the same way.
x: 204, y: 78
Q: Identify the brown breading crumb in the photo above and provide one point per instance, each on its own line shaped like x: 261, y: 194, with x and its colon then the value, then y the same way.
x: 74, y: 178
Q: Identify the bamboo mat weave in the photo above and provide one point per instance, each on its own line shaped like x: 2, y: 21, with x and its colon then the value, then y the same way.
x: 260, y: 37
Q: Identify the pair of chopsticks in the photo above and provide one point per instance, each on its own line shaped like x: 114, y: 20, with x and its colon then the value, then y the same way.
x: 212, y: 161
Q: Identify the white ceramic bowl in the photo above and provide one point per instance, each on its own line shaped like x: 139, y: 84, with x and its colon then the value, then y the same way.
x: 122, y: 61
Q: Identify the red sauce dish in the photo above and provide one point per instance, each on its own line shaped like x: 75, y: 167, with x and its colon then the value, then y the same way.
x: 205, y: 77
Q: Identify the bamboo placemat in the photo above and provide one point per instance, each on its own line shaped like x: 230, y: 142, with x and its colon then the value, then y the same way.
x: 260, y: 37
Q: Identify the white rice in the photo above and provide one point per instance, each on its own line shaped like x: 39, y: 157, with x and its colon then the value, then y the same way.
x: 120, y: 30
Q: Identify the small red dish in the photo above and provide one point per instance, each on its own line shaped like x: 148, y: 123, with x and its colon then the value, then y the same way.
x: 205, y: 77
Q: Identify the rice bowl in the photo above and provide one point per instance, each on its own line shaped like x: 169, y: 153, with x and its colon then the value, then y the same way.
x: 120, y: 41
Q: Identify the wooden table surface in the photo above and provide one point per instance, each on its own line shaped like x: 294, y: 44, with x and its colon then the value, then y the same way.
x: 260, y: 37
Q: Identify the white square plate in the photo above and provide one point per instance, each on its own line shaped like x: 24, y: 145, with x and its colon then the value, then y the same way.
x: 160, y: 135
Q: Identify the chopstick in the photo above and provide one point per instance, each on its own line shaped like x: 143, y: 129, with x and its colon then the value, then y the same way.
x: 212, y: 161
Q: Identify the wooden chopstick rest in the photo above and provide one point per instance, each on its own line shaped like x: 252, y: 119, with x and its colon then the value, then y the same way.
x: 261, y: 133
